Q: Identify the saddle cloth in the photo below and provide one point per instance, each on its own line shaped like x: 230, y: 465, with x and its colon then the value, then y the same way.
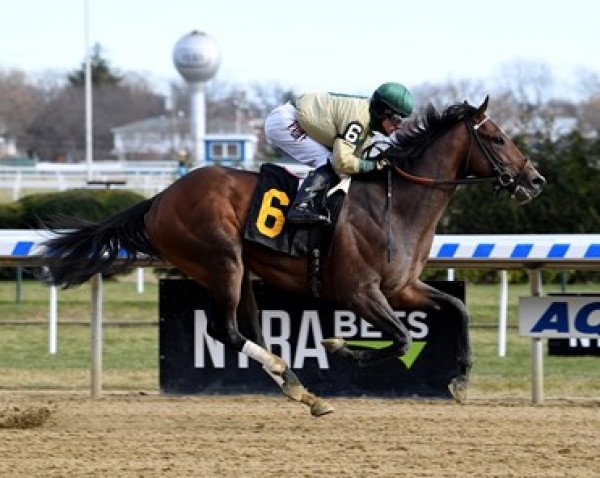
x: 267, y: 225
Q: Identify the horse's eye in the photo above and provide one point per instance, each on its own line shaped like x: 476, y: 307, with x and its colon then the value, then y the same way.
x: 498, y: 140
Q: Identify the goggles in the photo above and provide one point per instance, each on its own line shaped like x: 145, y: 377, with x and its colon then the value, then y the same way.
x: 395, y: 118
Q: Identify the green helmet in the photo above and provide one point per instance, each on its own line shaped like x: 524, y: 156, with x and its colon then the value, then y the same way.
x: 389, y: 100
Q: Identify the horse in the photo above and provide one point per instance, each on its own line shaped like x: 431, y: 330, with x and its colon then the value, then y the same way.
x: 380, y: 245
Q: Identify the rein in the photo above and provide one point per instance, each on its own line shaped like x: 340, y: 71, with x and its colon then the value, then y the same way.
x: 502, y: 178
x: 433, y: 183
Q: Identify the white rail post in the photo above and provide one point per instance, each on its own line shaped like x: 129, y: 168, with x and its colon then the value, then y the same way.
x: 502, y: 319
x: 537, y: 356
x: 17, y: 186
x: 96, y: 336
x: 52, y: 320
x: 140, y: 280
x: 450, y: 274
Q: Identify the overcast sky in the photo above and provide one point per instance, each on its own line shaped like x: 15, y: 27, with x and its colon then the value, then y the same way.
x: 349, y: 45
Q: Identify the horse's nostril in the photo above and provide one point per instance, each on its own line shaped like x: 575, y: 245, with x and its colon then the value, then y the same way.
x: 538, y: 181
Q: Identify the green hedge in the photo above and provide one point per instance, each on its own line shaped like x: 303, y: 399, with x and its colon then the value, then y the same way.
x: 90, y: 204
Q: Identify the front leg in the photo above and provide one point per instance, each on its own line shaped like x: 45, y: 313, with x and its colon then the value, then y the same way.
x: 369, y: 303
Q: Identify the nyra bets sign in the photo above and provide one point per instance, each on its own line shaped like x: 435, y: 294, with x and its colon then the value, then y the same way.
x: 560, y: 316
x: 191, y: 361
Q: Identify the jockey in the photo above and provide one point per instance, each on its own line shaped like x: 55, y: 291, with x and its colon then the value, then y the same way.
x: 325, y: 130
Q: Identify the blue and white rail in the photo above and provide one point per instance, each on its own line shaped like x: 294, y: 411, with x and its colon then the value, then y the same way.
x: 494, y: 251
x: 20, y: 244
x: 523, y: 251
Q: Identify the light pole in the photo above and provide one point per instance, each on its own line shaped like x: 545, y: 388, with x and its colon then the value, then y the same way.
x: 196, y: 57
x: 89, y: 138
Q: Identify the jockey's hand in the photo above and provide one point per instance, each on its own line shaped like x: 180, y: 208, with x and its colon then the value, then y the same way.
x: 366, y: 166
x: 382, y: 164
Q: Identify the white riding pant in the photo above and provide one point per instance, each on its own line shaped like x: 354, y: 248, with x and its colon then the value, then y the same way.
x: 282, y: 130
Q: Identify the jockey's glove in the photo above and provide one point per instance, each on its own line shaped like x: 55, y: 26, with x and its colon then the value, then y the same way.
x: 365, y: 166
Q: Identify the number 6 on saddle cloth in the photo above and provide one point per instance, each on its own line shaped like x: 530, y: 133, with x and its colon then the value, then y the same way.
x: 267, y: 225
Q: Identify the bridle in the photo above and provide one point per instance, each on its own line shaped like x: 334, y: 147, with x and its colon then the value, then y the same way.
x: 502, y: 179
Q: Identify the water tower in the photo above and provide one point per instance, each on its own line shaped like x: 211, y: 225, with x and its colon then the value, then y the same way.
x: 196, y: 57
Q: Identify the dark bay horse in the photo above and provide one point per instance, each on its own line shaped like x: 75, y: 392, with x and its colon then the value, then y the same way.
x: 197, y: 225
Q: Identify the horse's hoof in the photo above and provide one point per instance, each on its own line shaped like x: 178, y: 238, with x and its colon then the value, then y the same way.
x: 320, y: 407
x: 458, y: 389
x: 333, y: 344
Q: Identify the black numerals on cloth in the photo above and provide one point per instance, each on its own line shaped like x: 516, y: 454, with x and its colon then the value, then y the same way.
x: 353, y: 132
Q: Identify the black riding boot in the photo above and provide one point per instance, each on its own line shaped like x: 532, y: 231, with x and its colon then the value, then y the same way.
x: 308, y: 207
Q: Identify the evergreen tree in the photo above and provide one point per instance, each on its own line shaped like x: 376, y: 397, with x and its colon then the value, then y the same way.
x: 101, y: 72
x: 568, y: 203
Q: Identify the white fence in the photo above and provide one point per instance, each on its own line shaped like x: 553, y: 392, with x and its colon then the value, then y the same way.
x: 149, y: 178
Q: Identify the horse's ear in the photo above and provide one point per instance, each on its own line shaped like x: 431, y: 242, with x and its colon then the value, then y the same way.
x: 483, y: 107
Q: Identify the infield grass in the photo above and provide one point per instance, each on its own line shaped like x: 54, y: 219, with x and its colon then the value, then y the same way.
x: 130, y: 354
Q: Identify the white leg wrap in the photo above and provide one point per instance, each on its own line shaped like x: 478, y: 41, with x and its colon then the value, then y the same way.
x: 263, y: 356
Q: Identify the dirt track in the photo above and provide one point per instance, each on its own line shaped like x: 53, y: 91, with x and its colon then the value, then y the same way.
x: 152, y: 435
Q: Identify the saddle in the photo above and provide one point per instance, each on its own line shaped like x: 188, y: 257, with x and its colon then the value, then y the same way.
x: 266, y: 224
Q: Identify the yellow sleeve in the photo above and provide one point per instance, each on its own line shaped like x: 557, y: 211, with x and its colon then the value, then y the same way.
x: 343, y: 159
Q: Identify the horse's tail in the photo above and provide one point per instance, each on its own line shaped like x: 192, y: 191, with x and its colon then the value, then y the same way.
x: 81, y: 249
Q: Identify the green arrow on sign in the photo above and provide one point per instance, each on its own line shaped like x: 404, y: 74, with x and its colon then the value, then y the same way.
x: 408, y: 358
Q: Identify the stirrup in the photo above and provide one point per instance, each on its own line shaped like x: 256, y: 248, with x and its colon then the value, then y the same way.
x: 303, y: 215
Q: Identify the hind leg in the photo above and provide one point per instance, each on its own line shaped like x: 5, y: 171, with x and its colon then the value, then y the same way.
x: 232, y: 300
x: 247, y: 314
x: 459, y: 383
x: 206, y: 244
x: 378, y: 310
x: 225, y: 292
x: 423, y: 295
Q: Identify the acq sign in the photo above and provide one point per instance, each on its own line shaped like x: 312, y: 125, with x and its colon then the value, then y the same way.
x: 560, y: 316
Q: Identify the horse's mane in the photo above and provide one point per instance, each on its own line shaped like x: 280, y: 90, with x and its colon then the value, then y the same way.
x: 413, y: 139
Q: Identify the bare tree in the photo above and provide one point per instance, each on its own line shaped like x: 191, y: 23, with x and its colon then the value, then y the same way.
x: 57, y: 133
x: 47, y: 116
x: 526, y: 86
x: 442, y: 95
x: 589, y: 108
x: 20, y: 102
x: 588, y: 84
